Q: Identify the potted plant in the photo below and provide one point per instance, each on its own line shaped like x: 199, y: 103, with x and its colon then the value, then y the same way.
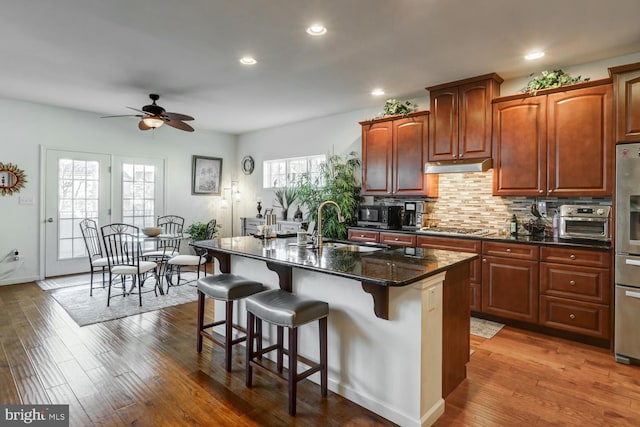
x: 285, y: 197
x: 337, y: 181
x: 394, y: 107
x: 198, y: 231
x: 550, y: 79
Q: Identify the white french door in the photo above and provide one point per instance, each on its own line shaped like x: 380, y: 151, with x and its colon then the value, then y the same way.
x: 77, y: 187
x: 101, y: 187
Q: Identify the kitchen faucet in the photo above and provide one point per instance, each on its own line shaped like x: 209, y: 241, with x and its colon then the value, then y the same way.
x: 340, y: 218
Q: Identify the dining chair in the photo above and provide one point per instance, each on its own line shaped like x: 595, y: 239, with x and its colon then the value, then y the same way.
x: 175, y: 264
x: 122, y: 246
x: 91, y: 237
x: 171, y: 225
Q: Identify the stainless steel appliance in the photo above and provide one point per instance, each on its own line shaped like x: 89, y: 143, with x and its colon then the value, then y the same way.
x: 412, y: 215
x: 379, y: 216
x: 590, y: 222
x: 627, y: 259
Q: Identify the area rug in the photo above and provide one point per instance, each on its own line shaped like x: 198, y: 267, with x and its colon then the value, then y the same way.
x: 484, y: 328
x: 87, y: 310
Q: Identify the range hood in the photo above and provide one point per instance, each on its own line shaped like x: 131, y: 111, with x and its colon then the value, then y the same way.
x: 453, y: 166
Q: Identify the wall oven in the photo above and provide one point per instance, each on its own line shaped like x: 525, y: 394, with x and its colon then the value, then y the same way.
x: 627, y: 258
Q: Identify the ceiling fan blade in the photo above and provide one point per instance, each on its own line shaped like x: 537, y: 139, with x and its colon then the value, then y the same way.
x: 122, y: 115
x: 177, y: 116
x: 139, y: 111
x: 143, y: 126
x: 179, y: 125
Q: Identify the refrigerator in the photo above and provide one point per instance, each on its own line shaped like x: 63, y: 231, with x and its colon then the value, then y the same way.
x: 627, y: 254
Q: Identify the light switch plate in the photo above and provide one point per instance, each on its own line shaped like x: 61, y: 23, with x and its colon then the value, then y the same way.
x: 25, y: 200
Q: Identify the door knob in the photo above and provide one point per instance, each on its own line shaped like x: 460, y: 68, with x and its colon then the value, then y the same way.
x: 49, y: 219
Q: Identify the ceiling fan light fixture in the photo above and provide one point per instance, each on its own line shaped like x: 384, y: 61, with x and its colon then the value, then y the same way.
x: 153, y: 122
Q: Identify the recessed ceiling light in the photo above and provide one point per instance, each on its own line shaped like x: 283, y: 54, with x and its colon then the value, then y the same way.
x: 248, y: 60
x: 377, y: 92
x: 317, y: 30
x: 534, y: 55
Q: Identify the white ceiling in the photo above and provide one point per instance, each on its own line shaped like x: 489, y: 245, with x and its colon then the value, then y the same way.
x: 102, y: 56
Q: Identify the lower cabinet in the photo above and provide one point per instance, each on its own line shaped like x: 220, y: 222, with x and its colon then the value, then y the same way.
x: 558, y: 287
x: 510, y: 278
x: 462, y: 245
x: 575, y: 291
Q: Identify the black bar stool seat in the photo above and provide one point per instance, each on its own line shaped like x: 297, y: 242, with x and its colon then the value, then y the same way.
x: 228, y: 288
x: 286, y: 310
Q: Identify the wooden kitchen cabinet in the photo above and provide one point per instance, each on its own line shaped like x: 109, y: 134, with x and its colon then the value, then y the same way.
x: 398, y: 239
x: 461, y: 118
x: 575, y: 290
x: 462, y: 245
x: 394, y: 151
x: 540, y: 142
x: 363, y: 235
x: 626, y: 95
x: 510, y: 280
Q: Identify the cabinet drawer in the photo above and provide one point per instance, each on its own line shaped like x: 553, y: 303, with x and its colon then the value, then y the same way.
x: 396, y: 239
x: 578, y: 282
x: 364, y: 236
x: 576, y: 256
x: 511, y: 250
x: 574, y: 316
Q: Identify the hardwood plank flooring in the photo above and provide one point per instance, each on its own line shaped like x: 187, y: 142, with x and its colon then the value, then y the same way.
x: 143, y: 370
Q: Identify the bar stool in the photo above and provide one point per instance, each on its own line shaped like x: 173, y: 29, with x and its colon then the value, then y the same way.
x: 228, y: 288
x: 285, y: 309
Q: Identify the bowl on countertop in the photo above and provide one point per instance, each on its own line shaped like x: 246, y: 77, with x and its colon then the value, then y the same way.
x: 152, y: 231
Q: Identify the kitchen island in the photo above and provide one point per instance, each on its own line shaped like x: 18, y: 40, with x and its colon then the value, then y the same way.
x: 389, y: 312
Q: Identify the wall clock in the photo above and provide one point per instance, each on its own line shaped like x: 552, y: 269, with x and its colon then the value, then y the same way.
x: 247, y: 165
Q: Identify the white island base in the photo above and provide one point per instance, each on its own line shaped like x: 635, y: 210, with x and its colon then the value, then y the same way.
x: 391, y: 367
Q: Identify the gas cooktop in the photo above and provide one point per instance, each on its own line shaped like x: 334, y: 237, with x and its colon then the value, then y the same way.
x: 455, y: 231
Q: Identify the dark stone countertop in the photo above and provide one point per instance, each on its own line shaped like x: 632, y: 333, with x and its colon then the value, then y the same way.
x: 388, y: 267
x: 520, y: 238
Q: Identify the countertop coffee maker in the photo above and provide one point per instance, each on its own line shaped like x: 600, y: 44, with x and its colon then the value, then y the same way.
x: 412, y: 215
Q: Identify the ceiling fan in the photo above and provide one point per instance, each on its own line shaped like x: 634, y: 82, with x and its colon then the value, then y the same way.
x: 153, y: 116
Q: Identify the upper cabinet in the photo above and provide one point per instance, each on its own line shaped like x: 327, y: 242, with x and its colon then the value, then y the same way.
x: 461, y: 118
x: 394, y: 151
x: 556, y: 144
x: 626, y: 87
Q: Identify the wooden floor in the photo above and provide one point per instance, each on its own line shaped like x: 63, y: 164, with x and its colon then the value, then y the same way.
x: 143, y: 370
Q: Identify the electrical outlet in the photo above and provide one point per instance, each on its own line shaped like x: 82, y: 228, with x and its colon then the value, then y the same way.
x: 16, y: 255
x: 542, y: 207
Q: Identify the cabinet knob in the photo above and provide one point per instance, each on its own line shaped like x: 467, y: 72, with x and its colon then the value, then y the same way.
x: 484, y: 260
x: 572, y: 282
x: 540, y: 191
x: 396, y: 239
x: 572, y: 316
x: 550, y: 191
x: 454, y: 155
x: 461, y: 155
x: 508, y: 251
x: 572, y: 256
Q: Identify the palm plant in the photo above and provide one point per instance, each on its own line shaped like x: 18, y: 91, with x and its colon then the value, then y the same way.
x: 337, y: 181
x: 285, y: 197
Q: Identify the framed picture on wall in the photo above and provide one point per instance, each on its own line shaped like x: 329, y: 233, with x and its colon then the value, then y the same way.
x: 206, y: 173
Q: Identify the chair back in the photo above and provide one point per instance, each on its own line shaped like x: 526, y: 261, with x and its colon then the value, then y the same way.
x: 122, y: 244
x: 171, y: 224
x: 211, y: 229
x: 91, y: 238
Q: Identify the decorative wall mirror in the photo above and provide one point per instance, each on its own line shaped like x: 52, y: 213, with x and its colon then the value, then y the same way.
x: 12, y: 179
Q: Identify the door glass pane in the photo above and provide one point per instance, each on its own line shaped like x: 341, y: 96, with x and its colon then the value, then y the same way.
x: 138, y: 194
x: 78, y: 183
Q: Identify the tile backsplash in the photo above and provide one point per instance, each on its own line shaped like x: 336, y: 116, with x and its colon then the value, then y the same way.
x: 465, y: 200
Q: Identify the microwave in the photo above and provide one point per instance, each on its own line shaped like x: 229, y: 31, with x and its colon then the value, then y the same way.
x: 378, y: 216
x: 585, y: 222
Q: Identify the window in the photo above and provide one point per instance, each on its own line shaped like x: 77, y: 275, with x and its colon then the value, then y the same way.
x: 138, y: 194
x: 281, y: 172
